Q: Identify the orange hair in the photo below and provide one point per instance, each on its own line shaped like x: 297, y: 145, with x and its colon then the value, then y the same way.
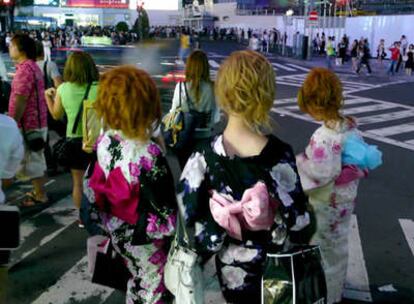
x: 128, y: 100
x: 321, y: 93
x: 245, y: 86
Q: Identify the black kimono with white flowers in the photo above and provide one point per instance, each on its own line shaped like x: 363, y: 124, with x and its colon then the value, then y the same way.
x: 240, y: 262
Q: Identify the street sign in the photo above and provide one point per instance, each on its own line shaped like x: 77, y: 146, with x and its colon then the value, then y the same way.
x: 313, y: 16
x: 313, y: 19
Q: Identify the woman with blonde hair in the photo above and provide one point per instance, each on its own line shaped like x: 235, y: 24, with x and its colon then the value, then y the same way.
x: 244, y: 167
x: 124, y: 184
x: 80, y: 77
x: 196, y: 94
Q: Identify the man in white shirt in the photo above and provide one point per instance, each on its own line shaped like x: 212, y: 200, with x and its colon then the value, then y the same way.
x: 11, y: 155
x: 47, y: 48
x: 11, y: 151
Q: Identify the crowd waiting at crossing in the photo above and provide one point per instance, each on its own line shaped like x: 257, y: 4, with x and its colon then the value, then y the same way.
x: 243, y: 196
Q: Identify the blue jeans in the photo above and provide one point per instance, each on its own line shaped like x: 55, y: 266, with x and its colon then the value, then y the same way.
x: 391, y: 68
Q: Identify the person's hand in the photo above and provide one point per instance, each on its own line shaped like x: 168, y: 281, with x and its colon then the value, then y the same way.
x: 50, y: 93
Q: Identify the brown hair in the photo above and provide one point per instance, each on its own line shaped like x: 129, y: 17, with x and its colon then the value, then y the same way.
x: 128, y: 100
x: 245, y: 86
x: 80, y: 69
x: 25, y: 44
x: 197, y: 70
x: 322, y: 93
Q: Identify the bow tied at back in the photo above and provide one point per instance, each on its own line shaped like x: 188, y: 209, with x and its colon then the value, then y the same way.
x: 255, y: 211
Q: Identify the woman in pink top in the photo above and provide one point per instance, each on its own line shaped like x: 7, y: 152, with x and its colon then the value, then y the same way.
x: 28, y: 107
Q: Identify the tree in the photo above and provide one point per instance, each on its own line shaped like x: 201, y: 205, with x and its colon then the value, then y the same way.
x: 141, y: 25
x: 122, y: 26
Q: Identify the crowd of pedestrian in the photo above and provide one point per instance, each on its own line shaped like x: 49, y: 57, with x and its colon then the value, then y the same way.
x: 242, y: 194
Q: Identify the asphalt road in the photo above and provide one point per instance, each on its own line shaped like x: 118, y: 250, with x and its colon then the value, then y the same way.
x: 50, y: 266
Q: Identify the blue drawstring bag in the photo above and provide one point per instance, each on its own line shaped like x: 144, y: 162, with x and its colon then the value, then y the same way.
x: 357, y: 152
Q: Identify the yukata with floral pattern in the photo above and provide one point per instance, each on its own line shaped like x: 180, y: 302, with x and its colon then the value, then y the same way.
x: 332, y: 189
x: 132, y: 193
x: 239, y: 259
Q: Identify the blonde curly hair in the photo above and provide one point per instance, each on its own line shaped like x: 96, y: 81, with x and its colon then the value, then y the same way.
x: 128, y: 100
x: 245, y: 86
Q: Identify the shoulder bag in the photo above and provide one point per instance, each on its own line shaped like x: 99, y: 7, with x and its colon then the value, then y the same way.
x: 182, y: 273
x: 34, y: 139
x: 91, y: 124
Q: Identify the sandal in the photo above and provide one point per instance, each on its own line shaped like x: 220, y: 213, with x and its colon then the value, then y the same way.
x: 30, y: 200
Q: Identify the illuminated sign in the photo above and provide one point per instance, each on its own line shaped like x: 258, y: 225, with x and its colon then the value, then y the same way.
x: 46, y: 2
x: 96, y: 3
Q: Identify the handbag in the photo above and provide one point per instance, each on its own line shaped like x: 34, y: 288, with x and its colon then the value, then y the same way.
x: 107, y: 266
x: 182, y: 273
x: 91, y: 126
x: 294, y: 276
x: 34, y: 139
x: 65, y: 149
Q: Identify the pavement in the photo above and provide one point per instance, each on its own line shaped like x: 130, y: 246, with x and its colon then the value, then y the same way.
x: 51, y: 265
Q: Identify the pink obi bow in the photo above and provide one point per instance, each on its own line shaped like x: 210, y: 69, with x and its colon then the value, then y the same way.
x: 254, y: 212
x: 349, y: 173
x: 115, y: 190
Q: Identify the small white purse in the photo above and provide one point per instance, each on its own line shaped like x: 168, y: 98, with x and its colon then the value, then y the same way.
x: 182, y: 273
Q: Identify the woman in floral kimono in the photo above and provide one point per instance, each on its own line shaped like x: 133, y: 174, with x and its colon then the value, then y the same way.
x: 125, y: 183
x: 330, y: 172
x: 240, y: 191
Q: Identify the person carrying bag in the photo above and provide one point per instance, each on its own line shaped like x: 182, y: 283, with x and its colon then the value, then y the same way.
x: 182, y: 273
x: 64, y: 149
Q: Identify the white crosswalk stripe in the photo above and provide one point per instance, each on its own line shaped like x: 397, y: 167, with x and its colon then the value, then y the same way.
x: 75, y: 284
x: 357, y: 282
x: 348, y: 86
x: 368, y: 112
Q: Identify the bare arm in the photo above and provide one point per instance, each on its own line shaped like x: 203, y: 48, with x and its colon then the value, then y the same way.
x: 54, y: 104
x: 21, y: 102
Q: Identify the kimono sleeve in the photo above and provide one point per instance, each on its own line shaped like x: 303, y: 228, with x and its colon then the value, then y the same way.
x: 321, y: 162
x: 193, y: 201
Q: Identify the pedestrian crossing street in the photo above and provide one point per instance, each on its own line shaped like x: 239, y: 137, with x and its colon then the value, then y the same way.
x: 72, y: 283
x: 384, y: 121
x: 349, y: 87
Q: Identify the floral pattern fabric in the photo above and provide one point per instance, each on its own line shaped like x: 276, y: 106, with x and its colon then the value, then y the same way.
x: 145, y: 245
x: 319, y: 166
x: 27, y: 76
x: 240, y: 263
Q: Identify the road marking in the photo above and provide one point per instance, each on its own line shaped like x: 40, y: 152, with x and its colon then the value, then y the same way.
x: 75, y: 286
x: 288, y: 107
x: 394, y: 130
x: 356, y: 283
x: 385, y: 117
x: 298, y: 67
x: 372, y: 108
x: 214, y: 64
x: 167, y: 63
x: 283, y: 67
x: 407, y: 226
x: 63, y: 213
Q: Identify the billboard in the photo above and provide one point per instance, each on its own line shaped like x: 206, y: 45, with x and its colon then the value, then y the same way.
x: 96, y: 3
x: 46, y: 2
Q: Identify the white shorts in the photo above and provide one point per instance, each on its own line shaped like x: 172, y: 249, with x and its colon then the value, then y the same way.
x: 33, y: 164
